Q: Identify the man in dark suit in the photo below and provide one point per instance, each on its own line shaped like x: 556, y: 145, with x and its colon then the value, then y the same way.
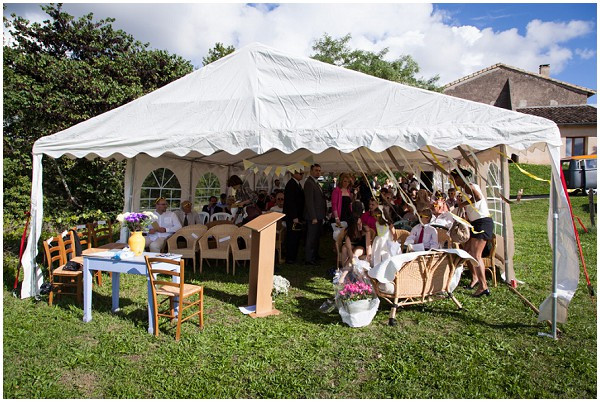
x: 212, y: 207
x: 293, y: 208
x: 315, y: 208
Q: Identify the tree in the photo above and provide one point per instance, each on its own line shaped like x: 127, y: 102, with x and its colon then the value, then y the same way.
x: 59, y: 73
x: 403, y: 69
x: 217, y: 52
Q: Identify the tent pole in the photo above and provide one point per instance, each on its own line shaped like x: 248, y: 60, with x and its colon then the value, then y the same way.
x: 554, y: 254
x: 503, y: 164
x: 191, y: 194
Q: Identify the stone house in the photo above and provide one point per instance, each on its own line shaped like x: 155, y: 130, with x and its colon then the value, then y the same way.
x: 537, y: 94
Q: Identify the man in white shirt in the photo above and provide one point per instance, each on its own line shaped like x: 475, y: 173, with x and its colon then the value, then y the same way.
x: 168, y: 223
x: 424, y: 233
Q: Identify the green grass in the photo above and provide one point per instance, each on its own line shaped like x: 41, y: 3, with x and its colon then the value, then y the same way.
x: 490, y: 349
x: 530, y: 186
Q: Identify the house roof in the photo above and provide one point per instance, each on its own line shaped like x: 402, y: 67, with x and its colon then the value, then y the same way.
x: 575, y: 114
x: 589, y: 92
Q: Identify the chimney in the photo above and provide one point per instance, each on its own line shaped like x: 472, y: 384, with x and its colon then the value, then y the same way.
x: 545, y: 70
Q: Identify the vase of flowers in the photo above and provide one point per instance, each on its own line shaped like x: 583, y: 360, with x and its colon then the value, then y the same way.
x: 136, y: 222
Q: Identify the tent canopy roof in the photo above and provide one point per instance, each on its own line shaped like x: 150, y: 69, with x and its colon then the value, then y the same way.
x: 261, y: 101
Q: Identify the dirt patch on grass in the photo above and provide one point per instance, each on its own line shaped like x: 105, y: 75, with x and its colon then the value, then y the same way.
x: 84, y: 382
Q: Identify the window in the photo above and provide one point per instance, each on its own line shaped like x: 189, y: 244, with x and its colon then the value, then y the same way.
x: 208, y: 185
x: 160, y: 183
x: 493, y: 200
x: 262, y: 184
x: 575, y: 146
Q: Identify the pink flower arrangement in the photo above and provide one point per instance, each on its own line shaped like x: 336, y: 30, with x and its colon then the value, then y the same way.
x: 354, y: 291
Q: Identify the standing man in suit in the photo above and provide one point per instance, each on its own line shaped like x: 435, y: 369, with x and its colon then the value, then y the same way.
x: 315, y: 208
x: 293, y: 208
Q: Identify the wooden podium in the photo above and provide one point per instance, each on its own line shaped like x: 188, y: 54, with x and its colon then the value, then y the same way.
x: 262, y: 263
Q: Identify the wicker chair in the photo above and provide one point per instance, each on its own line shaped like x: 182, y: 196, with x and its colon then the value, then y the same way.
x: 237, y: 253
x: 444, y: 239
x: 191, y: 234
x: 421, y: 280
x: 222, y: 235
x: 400, y: 235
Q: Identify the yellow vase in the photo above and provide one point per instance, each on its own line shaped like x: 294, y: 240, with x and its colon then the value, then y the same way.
x: 137, y: 243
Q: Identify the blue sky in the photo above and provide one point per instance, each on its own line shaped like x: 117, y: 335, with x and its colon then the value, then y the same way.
x: 450, y: 40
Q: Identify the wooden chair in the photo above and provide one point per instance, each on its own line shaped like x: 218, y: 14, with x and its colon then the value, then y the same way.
x: 237, y: 253
x: 203, y: 217
x: 422, y: 280
x: 222, y: 235
x: 489, y: 262
x: 101, y: 234
x: 183, y: 291
x: 85, y: 239
x: 62, y: 282
x: 221, y: 216
x: 191, y: 234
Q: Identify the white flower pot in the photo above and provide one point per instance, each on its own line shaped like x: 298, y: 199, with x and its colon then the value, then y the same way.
x: 358, y: 306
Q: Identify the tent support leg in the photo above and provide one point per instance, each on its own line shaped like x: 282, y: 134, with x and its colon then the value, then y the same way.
x: 506, y: 193
x: 528, y: 303
x: 554, y: 255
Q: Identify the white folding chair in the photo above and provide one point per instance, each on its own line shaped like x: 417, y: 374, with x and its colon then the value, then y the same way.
x: 203, y: 217
x: 221, y: 216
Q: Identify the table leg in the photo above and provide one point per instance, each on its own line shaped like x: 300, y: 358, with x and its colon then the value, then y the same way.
x: 87, y: 292
x: 150, y: 308
x: 116, y: 281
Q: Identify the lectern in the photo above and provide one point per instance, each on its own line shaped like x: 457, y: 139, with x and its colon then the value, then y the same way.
x: 262, y: 263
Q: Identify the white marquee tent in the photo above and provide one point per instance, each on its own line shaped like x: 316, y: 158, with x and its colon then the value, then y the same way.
x: 272, y: 108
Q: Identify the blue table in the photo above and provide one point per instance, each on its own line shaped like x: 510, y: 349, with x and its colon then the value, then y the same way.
x: 96, y: 259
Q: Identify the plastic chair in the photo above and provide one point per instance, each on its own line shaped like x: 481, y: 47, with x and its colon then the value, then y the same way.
x: 237, y: 253
x: 182, y: 291
x: 221, y: 216
x: 62, y: 282
x: 222, y: 235
x: 203, y: 217
x: 191, y: 234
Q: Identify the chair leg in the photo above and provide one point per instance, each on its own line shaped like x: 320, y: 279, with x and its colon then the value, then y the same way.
x: 451, y: 295
x: 98, y: 276
x: 50, y: 297
x: 201, y: 307
x: 179, y: 315
x: 201, y: 264
x: 80, y: 291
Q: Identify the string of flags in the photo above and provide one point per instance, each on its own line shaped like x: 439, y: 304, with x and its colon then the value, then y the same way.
x: 278, y: 170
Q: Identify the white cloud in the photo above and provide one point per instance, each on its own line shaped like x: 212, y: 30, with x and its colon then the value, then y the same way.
x: 189, y: 30
x: 585, y: 53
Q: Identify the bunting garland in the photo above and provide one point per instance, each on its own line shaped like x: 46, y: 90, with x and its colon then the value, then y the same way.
x: 277, y: 170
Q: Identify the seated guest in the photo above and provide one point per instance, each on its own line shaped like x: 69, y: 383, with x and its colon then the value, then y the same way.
x: 424, y: 233
x: 439, y: 204
x: 441, y: 216
x: 279, y: 199
x: 423, y: 200
x: 413, y: 194
x: 408, y: 214
x: 370, y: 217
x: 451, y: 201
x: 261, y: 202
x: 186, y: 215
x: 277, y: 185
x: 273, y: 200
x: 357, y: 240
x: 168, y: 223
x: 223, y: 202
x: 212, y: 207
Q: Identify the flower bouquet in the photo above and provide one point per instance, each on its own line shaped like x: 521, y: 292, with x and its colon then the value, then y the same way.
x: 136, y: 221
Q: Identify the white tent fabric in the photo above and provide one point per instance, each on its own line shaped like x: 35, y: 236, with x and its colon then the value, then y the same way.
x: 265, y: 104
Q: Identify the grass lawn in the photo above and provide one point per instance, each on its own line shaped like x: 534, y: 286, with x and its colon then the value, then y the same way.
x: 530, y: 186
x: 490, y: 349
